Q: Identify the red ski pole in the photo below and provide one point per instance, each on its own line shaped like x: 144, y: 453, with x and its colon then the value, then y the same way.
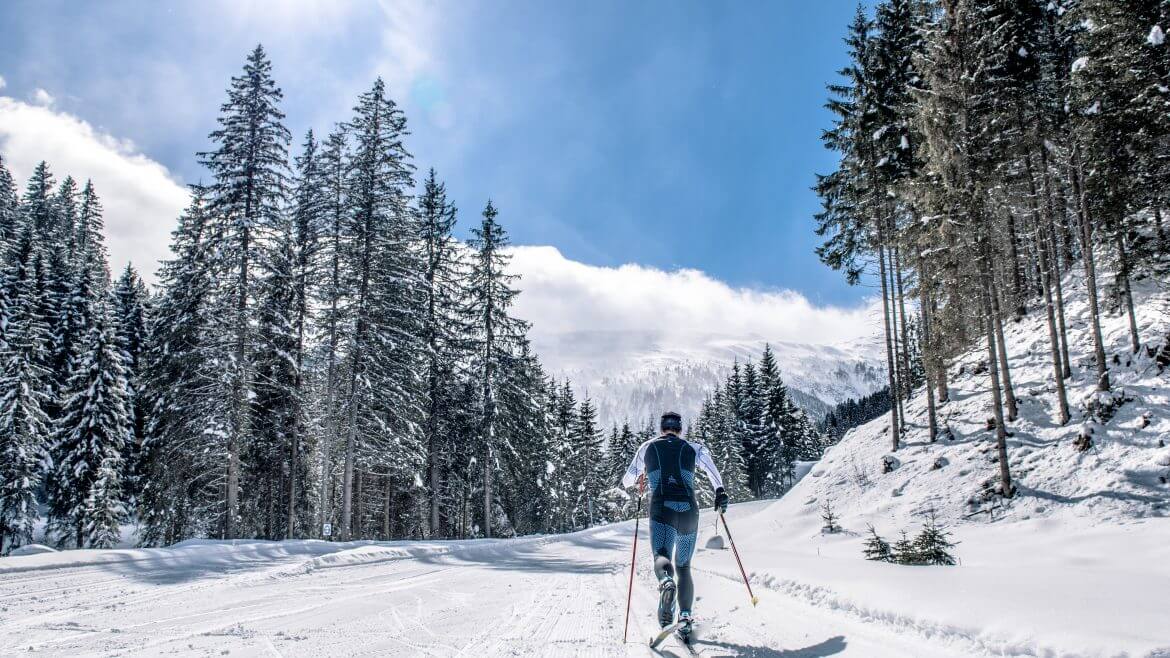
x: 634, y: 557
x: 743, y: 573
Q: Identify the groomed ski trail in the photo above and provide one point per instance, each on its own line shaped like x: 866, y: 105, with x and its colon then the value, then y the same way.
x: 562, y: 596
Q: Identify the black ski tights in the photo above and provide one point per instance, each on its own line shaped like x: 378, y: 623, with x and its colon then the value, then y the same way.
x: 686, y: 587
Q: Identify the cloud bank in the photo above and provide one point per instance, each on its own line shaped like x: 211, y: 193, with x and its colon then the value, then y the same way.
x: 141, y: 199
x: 630, y: 309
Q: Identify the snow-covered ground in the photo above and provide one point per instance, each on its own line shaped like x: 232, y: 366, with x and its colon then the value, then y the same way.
x: 1034, y: 588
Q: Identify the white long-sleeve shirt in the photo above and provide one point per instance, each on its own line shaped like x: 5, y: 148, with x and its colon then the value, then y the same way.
x: 702, y: 460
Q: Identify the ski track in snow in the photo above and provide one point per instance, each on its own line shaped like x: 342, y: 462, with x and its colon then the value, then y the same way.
x: 529, y: 597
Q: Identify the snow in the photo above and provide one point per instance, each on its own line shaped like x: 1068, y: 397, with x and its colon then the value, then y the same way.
x: 32, y: 549
x: 640, y: 377
x: 1157, y: 37
x: 1080, y: 64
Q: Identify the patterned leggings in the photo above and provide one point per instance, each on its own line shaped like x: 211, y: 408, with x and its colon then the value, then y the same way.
x: 673, y: 531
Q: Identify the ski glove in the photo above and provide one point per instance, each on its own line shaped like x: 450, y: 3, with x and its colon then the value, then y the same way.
x: 720, y: 500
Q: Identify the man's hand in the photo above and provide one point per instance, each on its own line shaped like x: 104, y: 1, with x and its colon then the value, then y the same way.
x: 720, y: 500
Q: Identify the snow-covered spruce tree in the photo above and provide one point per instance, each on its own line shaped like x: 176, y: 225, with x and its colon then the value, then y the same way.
x: 94, y: 415
x: 94, y: 429
x: 10, y: 212
x: 24, y: 392
x: 329, y: 320
x: 105, y: 510
x: 855, y: 213
x: 876, y: 548
x: 587, y: 451
x: 496, y: 333
x: 249, y: 178
x: 444, y: 327
x: 130, y: 301
x: 933, y: 545
x: 181, y: 494
x: 381, y: 297
x: 524, y: 443
x: 727, y: 450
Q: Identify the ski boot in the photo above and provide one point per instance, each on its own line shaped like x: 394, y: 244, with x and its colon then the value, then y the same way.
x: 666, y: 591
x: 686, y: 628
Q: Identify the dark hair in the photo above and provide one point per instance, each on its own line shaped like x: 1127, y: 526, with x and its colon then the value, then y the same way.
x: 671, y: 422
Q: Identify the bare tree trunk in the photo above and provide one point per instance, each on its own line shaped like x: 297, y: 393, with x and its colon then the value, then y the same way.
x: 1090, y: 275
x: 1049, y: 246
x: 1158, y: 230
x: 1046, y: 274
x: 905, y: 334
x: 996, y: 400
x: 347, y: 472
x: 1127, y: 293
x: 1005, y: 372
x: 386, y: 511
x: 928, y: 364
x: 894, y: 428
x: 1021, y: 306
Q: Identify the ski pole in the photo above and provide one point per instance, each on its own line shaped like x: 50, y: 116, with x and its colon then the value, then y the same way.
x: 743, y: 573
x: 633, y: 558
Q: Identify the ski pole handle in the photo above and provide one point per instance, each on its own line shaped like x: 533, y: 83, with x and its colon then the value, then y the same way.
x: 755, y: 599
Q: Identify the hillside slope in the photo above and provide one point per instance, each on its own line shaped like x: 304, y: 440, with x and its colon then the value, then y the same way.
x: 1124, y: 475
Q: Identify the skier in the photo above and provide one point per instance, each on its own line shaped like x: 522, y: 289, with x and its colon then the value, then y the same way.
x: 669, y: 464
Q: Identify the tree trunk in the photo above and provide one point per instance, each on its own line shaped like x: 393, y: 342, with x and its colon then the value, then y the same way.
x: 1005, y: 372
x: 1090, y: 275
x: 928, y: 364
x: 906, y: 384
x: 1158, y: 230
x: 347, y: 472
x: 894, y: 429
x: 1050, y: 248
x: 1021, y: 306
x: 1054, y: 342
x: 386, y: 511
x: 1127, y: 293
x: 996, y: 400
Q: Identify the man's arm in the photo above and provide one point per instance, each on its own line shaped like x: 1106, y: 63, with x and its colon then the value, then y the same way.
x: 636, y: 468
x: 703, y: 459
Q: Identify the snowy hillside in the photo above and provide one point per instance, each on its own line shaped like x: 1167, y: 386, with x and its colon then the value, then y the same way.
x: 636, y: 375
x: 1124, y: 476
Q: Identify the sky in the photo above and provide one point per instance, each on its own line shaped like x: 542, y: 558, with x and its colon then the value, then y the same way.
x: 678, y: 137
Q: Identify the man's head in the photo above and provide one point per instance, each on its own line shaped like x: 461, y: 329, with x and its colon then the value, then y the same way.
x: 671, y: 423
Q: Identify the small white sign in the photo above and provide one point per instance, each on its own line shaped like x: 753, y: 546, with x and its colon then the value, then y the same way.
x: 327, y: 530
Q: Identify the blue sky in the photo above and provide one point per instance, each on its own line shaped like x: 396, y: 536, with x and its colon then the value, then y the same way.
x: 672, y: 134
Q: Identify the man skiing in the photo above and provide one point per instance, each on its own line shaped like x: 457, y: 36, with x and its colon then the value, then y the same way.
x: 669, y: 463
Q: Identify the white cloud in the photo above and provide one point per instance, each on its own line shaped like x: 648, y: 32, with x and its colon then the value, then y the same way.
x: 142, y: 200
x: 42, y: 97
x: 582, y: 311
x: 3, y: 82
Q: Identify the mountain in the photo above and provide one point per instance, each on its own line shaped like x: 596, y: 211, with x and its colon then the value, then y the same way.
x: 635, y: 375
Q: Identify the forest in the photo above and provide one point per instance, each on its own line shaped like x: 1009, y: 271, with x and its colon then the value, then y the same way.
x: 320, y: 351
x: 992, y: 153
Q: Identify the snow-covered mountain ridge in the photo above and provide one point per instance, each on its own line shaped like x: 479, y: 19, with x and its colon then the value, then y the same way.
x: 635, y: 375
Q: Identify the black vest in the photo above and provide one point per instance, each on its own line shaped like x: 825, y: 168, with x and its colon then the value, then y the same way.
x: 674, y: 461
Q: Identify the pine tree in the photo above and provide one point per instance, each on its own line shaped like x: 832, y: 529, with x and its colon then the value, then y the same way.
x: 181, y: 495
x: 496, y: 332
x: 94, y: 429
x: 24, y: 426
x: 932, y: 546
x: 10, y: 212
x: 130, y: 301
x: 380, y: 292
x: 444, y: 327
x: 588, y: 457
x: 249, y: 168
x: 876, y: 548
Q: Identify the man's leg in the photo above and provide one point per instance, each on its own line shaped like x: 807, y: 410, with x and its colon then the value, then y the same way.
x: 684, y: 549
x: 662, y: 540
